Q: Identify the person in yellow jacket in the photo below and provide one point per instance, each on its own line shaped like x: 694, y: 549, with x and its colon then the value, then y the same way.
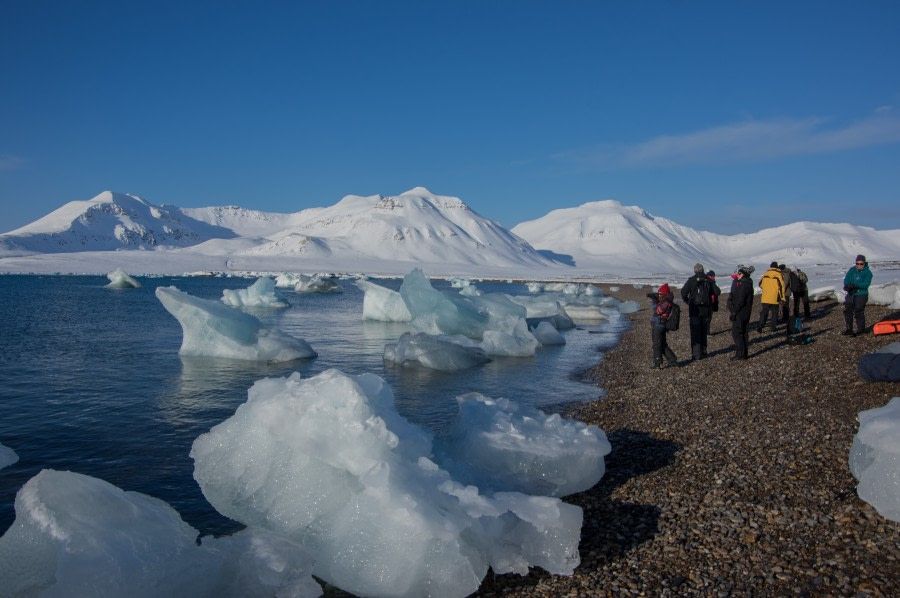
x: 772, y: 285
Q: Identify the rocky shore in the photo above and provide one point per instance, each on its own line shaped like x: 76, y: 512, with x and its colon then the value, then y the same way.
x: 730, y: 478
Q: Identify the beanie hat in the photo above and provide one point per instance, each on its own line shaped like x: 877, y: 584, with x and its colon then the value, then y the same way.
x: 860, y: 258
x: 773, y: 265
x: 747, y: 270
x: 711, y: 274
x: 698, y: 268
x: 664, y: 289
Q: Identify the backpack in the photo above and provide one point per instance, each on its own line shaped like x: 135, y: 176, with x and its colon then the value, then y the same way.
x: 795, y: 284
x: 701, y: 293
x: 795, y: 325
x: 802, y: 276
x: 674, y: 318
x: 801, y: 338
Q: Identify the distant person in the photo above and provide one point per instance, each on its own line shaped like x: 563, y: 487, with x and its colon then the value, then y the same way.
x: 740, y: 309
x: 698, y: 293
x: 662, y: 311
x: 715, y: 299
x: 856, y: 283
x: 800, y: 293
x: 772, y: 285
x: 786, y: 274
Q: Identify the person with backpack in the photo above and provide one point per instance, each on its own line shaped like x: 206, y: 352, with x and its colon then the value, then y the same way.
x: 665, y: 317
x: 715, y: 299
x: 856, y: 284
x: 698, y: 293
x: 772, y: 285
x: 740, y: 309
x: 801, y: 293
x: 786, y: 275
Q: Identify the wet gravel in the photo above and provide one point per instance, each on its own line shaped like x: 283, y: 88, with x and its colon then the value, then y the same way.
x: 730, y: 478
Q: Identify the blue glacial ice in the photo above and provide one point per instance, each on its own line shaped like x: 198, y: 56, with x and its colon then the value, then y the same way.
x: 875, y: 458
x: 260, y: 294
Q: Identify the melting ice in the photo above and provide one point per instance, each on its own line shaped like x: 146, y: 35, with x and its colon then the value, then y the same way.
x: 875, y: 458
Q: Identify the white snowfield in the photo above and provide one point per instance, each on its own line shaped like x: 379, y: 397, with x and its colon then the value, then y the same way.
x: 211, y: 329
x: 875, y: 458
x: 388, y: 235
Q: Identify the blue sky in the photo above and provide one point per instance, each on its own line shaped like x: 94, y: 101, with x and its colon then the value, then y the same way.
x: 722, y: 116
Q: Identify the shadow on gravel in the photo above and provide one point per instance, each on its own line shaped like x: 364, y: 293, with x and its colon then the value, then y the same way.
x: 611, y: 528
x: 783, y: 343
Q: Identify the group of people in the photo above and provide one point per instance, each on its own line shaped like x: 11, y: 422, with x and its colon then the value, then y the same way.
x: 778, y: 284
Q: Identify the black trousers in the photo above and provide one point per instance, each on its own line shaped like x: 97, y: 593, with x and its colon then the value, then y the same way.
x: 804, y: 297
x: 764, y: 312
x: 740, y: 333
x: 699, y: 326
x: 661, y: 347
x: 856, y: 308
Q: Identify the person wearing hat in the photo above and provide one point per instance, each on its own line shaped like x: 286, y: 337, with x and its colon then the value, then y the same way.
x: 740, y: 309
x: 856, y: 284
x: 786, y: 275
x: 698, y: 293
x: 772, y: 285
x: 662, y: 309
x: 711, y: 275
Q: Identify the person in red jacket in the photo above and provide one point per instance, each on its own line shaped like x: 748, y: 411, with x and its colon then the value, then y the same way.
x: 662, y: 309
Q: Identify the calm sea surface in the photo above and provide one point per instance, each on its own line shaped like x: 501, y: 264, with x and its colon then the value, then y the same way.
x: 91, y: 380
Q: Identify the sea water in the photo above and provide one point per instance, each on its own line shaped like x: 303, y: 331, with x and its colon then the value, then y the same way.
x: 91, y: 380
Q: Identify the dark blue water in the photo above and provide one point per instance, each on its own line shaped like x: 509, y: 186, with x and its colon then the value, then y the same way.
x: 91, y: 380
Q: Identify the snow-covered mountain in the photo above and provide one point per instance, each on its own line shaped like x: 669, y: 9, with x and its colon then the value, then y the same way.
x: 606, y: 236
x: 416, y: 226
x: 108, y: 222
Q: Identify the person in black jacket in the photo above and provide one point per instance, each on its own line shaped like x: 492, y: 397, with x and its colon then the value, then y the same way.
x: 740, y: 308
x: 699, y: 292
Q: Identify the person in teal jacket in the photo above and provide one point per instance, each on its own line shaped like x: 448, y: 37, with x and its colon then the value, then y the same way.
x: 856, y: 283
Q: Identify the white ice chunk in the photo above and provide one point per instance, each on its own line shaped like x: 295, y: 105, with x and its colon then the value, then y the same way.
x: 287, y: 280
x: 501, y: 445
x: 317, y: 284
x: 434, y: 352
x: 544, y: 307
x: 460, y: 283
x: 212, y: 329
x: 118, y: 279
x: 436, y: 313
x: 517, y: 342
x: 885, y: 294
x: 823, y: 293
x: 583, y: 311
x: 547, y: 335
x: 327, y: 462
x: 629, y: 307
x: 7, y: 456
x: 260, y: 294
x: 75, y: 535
x: 382, y: 304
x: 875, y: 458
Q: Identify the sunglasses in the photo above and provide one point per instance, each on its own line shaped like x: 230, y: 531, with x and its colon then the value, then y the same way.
x: 860, y: 263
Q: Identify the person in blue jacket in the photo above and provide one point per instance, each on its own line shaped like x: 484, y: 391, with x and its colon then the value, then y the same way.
x: 856, y: 283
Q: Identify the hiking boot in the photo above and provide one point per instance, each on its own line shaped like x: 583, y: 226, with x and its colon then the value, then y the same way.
x: 848, y: 332
x: 655, y: 366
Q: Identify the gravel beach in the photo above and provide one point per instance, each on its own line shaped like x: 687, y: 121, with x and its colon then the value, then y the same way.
x: 730, y: 478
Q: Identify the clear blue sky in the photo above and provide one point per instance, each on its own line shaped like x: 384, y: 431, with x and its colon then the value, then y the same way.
x: 723, y: 116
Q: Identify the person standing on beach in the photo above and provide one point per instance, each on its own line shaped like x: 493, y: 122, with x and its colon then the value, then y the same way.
x: 772, y: 285
x: 715, y: 299
x: 786, y: 276
x: 801, y: 293
x: 662, y: 309
x: 856, y: 283
x: 740, y: 308
x: 698, y: 293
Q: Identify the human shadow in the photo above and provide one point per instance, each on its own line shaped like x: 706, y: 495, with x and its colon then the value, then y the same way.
x: 611, y: 528
x: 784, y: 341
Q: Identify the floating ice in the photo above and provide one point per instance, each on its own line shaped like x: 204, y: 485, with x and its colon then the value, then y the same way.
x: 544, y: 308
x: 875, y: 458
x: 260, y: 294
x: 75, y: 535
x: 513, y: 339
x: 118, y: 279
x: 317, y: 284
x: 498, y: 445
x: 460, y: 283
x: 7, y: 456
x: 583, y: 311
x: 328, y: 462
x: 287, y: 280
x: 434, y: 352
x: 212, y: 329
x: 547, y: 335
x: 629, y: 307
x: 382, y: 304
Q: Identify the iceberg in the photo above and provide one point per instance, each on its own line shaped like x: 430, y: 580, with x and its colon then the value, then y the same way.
x: 498, y: 445
x: 629, y: 307
x: 212, y: 329
x: 260, y: 294
x: 75, y: 535
x: 547, y: 335
x: 885, y: 294
x: 118, y: 279
x: 875, y: 458
x: 434, y: 352
x: 7, y: 456
x: 287, y: 280
x: 328, y: 463
x: 317, y: 284
x: 382, y: 304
